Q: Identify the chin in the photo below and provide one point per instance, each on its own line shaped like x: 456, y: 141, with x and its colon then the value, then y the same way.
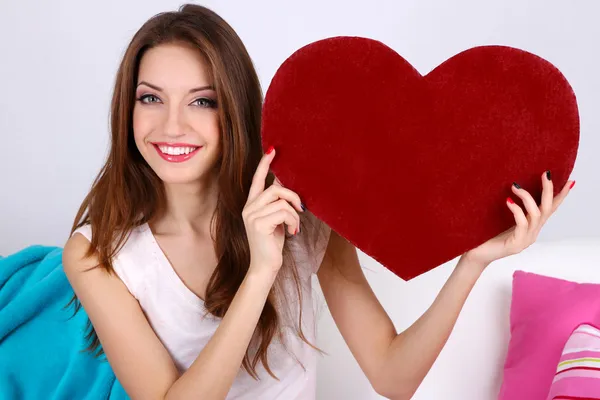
x: 180, y: 174
x: 180, y: 177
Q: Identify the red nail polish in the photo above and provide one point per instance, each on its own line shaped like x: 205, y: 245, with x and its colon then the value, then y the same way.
x: 271, y: 148
x: 511, y: 201
x: 296, y: 231
x: 572, y: 184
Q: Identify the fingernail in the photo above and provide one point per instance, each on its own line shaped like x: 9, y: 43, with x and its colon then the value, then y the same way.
x: 548, y: 175
x: 515, y: 184
x: 296, y: 232
x: 572, y: 184
x: 270, y: 150
x: 511, y: 201
x: 302, y: 206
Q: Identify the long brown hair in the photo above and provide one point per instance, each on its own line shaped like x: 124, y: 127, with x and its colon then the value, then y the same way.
x: 127, y: 193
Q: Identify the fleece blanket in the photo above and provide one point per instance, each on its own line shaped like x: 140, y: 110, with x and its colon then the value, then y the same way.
x: 41, y: 341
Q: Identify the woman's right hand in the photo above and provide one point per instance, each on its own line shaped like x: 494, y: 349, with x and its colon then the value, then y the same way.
x: 265, y: 214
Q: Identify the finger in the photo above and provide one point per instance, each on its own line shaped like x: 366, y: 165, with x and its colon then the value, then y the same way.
x: 273, y: 220
x: 562, y: 195
x: 274, y: 193
x: 522, y: 224
x: 260, y: 175
x: 533, y: 211
x: 275, y: 207
x: 277, y: 182
x: 547, y: 195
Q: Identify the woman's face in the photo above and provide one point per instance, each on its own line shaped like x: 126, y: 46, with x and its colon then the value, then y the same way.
x: 175, y: 119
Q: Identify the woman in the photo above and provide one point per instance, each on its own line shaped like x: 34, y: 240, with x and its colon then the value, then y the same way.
x: 196, y: 278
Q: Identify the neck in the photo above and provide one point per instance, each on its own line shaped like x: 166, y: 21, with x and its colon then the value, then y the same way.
x: 190, y: 207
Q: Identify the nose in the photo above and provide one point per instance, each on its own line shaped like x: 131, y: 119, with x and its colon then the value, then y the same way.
x: 174, y: 124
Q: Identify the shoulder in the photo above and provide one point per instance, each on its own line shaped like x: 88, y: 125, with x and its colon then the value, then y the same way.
x: 77, y: 255
x: 129, y: 261
x: 79, y: 244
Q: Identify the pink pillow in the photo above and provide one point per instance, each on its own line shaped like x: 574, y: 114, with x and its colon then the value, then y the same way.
x: 544, y: 312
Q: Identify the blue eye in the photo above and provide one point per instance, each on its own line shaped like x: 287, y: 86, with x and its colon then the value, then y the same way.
x: 205, y: 102
x: 149, y: 99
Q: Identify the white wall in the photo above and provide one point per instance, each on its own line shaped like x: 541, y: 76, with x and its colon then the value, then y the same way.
x: 57, y: 64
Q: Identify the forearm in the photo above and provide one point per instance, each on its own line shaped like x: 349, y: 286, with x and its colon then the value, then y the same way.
x: 412, y: 353
x: 213, y: 372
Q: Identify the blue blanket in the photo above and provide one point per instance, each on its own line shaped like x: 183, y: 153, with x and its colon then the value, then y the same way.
x: 41, y: 342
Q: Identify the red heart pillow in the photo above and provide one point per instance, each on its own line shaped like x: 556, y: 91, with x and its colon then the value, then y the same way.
x: 415, y: 170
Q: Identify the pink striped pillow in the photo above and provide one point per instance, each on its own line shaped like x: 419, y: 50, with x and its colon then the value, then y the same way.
x: 578, y: 372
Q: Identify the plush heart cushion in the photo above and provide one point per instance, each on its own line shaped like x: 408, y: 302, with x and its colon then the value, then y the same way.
x: 415, y: 170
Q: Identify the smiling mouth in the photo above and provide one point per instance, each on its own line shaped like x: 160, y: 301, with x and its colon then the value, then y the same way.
x: 176, y: 152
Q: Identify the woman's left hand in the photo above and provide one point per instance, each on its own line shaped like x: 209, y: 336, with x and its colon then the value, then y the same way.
x: 527, y: 227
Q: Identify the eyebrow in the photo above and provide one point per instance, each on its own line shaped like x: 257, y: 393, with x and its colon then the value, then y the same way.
x: 196, y: 89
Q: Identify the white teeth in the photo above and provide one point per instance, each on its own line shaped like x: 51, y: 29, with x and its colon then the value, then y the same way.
x: 176, y: 151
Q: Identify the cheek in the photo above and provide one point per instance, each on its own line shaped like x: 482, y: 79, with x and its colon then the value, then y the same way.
x: 209, y: 127
x: 215, y: 133
x: 216, y: 130
x: 215, y: 140
x: 142, y: 126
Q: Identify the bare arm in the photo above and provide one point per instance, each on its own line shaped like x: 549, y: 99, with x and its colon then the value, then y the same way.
x: 138, y: 358
x: 396, y: 364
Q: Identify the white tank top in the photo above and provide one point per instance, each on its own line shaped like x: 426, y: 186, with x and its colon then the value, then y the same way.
x: 180, y: 321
